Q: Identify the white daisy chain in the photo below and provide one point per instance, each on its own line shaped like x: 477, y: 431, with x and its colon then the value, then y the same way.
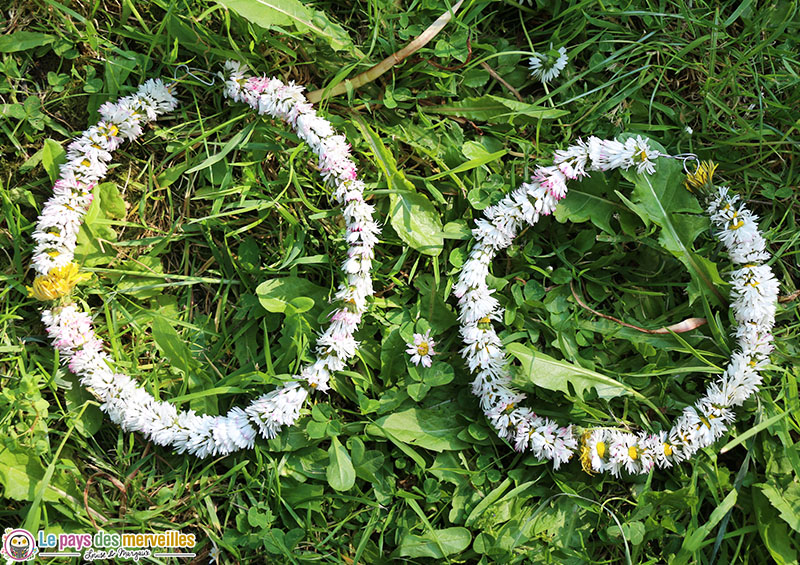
x: 753, y: 303
x: 70, y: 329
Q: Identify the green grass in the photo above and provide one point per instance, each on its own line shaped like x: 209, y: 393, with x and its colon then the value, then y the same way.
x: 181, y: 255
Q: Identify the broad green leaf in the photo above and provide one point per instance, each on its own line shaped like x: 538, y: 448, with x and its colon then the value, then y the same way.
x: 457, y: 229
x: 16, y: 111
x: 292, y: 13
x: 52, y: 156
x: 306, y: 495
x: 21, y: 475
x: 662, y: 198
x: 438, y: 374
x: 370, y: 464
x: 544, y: 371
x: 385, y: 160
x: 276, y: 294
x: 497, y: 110
x: 436, y: 311
x: 340, y: 472
x: 588, y: 200
x: 487, y: 501
x: 416, y: 221
x: 418, y: 391
x: 24, y: 40
x: 111, y: 200
x: 435, y: 543
x: 433, y: 428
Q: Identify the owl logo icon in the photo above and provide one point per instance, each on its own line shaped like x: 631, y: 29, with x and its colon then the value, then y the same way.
x: 19, y: 545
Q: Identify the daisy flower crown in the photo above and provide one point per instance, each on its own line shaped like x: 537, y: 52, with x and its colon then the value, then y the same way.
x: 126, y: 402
x: 605, y: 449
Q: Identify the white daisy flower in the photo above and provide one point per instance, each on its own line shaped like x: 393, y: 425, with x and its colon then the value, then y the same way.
x: 547, y: 66
x: 595, y: 453
x: 421, y: 349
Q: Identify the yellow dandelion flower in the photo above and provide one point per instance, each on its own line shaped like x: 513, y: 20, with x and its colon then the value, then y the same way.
x: 58, y: 282
x: 702, y: 177
x: 586, y: 453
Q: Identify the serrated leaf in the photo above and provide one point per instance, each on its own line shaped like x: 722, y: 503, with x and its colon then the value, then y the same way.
x: 271, y: 13
x: 435, y: 543
x: 786, y: 501
x: 662, y: 198
x: 587, y: 200
x: 340, y: 473
x: 774, y: 532
x: 544, y: 371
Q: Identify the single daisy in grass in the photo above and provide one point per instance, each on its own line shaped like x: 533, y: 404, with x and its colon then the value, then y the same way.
x: 421, y: 349
x: 548, y: 65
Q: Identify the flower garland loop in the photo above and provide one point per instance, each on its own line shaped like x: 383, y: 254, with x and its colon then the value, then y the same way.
x: 754, y: 294
x: 70, y: 328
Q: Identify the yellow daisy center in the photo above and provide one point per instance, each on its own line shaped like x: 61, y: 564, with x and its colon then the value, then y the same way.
x: 423, y: 348
x: 601, y: 449
x: 667, y: 449
x: 633, y: 452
